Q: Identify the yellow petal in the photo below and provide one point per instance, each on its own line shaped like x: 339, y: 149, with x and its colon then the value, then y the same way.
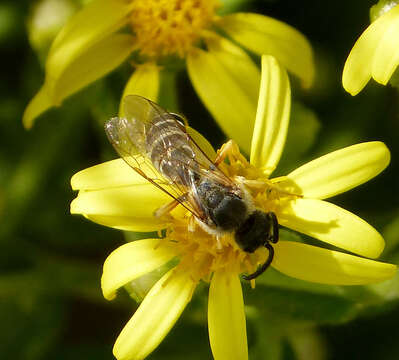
x: 132, y: 260
x: 227, y: 81
x: 332, y: 224
x: 144, y: 81
x: 155, y: 317
x: 110, y: 174
x: 137, y: 202
x: 93, y: 23
x: 272, y: 116
x: 38, y: 105
x: 338, y: 171
x: 128, y: 223
x: 386, y: 58
x: 226, y: 317
x: 265, y: 35
x: 92, y: 64
x: 116, y: 173
x: 324, y: 266
x: 374, y: 53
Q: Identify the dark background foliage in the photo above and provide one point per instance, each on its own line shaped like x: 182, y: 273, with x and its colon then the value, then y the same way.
x: 50, y: 261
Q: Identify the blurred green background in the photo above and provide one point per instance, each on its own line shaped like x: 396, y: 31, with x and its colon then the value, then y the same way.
x: 51, y: 261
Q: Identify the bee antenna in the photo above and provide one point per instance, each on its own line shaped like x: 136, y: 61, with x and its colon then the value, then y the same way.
x: 261, y: 269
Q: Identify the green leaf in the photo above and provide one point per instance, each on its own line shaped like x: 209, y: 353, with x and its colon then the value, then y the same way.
x: 302, y: 306
x: 391, y: 235
x: 269, y: 337
x: 30, y: 330
x: 307, y: 343
x: 231, y: 6
x: 30, y: 173
x: 293, y: 300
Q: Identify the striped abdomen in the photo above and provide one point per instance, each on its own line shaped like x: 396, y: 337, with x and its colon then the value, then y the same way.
x: 168, y: 147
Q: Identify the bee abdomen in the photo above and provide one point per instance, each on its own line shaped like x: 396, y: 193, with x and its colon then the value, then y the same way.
x: 168, y: 147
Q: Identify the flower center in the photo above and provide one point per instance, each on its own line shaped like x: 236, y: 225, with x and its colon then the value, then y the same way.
x: 166, y: 27
x: 203, y: 253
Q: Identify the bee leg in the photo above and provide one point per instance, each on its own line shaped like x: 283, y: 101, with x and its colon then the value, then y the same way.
x: 254, y: 184
x: 221, y: 155
x: 274, y: 233
x: 227, y: 149
x: 261, y: 269
x: 191, y: 224
x: 218, y: 243
x: 279, y: 179
x: 271, y: 185
x: 166, y: 209
x: 291, y: 190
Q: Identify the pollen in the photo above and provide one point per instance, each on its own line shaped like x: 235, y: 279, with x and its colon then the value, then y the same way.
x: 201, y: 253
x: 170, y: 27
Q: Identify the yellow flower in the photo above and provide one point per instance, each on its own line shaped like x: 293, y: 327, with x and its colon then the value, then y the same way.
x: 374, y: 54
x: 113, y: 194
x: 93, y: 43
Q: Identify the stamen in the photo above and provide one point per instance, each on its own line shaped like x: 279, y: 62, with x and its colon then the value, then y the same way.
x: 166, y: 27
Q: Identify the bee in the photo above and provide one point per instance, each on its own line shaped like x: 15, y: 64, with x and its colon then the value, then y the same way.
x: 149, y: 137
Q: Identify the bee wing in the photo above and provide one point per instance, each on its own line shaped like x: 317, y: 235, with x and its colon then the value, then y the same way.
x: 138, y: 109
x: 128, y: 136
x: 128, y: 139
x: 141, y: 112
x: 207, y: 166
x: 128, y: 133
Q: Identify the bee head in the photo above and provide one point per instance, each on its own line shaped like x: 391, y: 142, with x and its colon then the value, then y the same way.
x: 257, y: 230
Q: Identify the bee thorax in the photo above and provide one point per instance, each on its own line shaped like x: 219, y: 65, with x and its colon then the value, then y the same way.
x: 224, y: 207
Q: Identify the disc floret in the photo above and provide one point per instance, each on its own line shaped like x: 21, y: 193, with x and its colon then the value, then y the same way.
x: 202, y: 253
x: 167, y: 27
